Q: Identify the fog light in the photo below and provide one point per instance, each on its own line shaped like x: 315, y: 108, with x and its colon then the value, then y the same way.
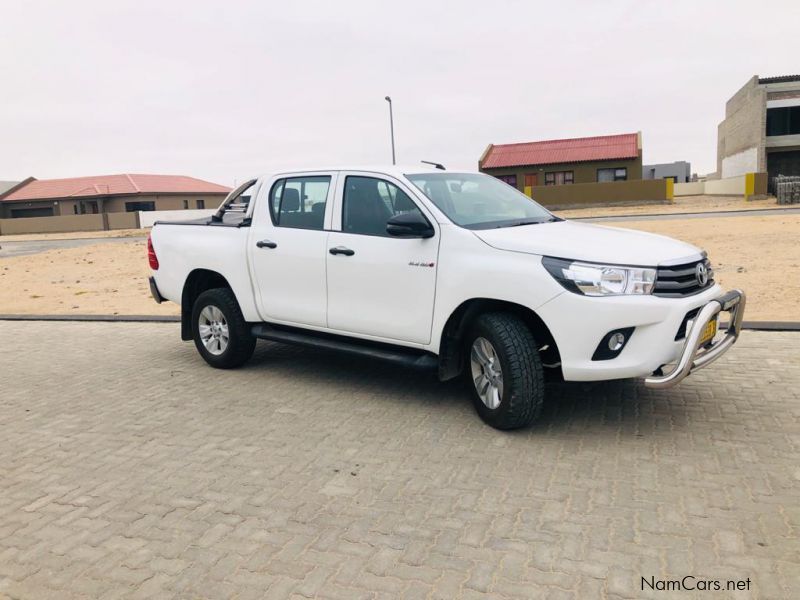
x: 616, y: 341
x: 613, y: 343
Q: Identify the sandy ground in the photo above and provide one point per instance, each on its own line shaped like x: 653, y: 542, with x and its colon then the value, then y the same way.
x: 95, y: 279
x: 759, y: 254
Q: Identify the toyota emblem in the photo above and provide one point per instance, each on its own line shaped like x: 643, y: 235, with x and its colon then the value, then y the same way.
x: 701, y: 273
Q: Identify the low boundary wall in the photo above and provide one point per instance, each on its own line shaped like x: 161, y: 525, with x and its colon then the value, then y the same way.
x: 52, y: 224
x: 98, y: 222
x: 584, y: 195
x: 749, y: 185
x: 147, y: 218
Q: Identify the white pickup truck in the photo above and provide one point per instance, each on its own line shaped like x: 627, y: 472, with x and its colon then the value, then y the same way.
x: 450, y: 270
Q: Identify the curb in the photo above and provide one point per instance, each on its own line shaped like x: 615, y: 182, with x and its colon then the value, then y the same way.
x: 768, y: 325
x: 88, y: 239
x: 95, y: 318
x: 690, y: 214
x: 751, y: 325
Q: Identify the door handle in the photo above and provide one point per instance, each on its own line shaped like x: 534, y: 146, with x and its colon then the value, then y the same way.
x: 266, y: 244
x: 342, y: 250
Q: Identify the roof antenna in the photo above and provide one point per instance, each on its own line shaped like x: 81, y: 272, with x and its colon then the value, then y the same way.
x: 435, y: 164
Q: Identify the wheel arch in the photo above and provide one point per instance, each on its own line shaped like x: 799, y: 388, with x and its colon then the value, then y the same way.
x: 197, y: 282
x: 451, y: 351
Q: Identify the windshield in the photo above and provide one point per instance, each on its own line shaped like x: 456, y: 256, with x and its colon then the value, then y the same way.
x: 477, y: 201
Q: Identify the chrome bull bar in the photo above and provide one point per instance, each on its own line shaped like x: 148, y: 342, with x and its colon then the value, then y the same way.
x: 692, y: 355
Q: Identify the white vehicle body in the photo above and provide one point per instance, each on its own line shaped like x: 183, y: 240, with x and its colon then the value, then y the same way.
x: 406, y: 291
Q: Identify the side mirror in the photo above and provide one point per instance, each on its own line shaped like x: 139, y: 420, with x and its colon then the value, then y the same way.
x: 410, y: 224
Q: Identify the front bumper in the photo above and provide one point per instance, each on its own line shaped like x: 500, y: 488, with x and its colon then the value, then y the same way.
x: 693, y: 356
x: 578, y: 323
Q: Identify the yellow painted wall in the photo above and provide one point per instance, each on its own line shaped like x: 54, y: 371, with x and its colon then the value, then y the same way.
x: 597, y: 194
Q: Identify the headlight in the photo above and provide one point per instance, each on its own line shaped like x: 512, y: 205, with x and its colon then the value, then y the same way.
x: 600, y: 280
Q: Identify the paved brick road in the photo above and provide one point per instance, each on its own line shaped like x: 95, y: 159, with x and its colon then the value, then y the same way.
x: 129, y: 469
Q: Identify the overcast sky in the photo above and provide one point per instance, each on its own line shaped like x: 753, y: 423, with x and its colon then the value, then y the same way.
x: 225, y: 90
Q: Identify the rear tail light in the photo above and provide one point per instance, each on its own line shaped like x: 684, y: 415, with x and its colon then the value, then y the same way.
x: 151, y: 255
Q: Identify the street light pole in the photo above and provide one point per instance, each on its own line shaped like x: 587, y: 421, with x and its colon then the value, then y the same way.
x: 391, y: 126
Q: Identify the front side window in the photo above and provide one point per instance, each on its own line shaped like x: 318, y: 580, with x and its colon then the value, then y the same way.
x: 615, y: 174
x: 477, y: 201
x: 299, y: 202
x: 559, y: 177
x: 369, y: 203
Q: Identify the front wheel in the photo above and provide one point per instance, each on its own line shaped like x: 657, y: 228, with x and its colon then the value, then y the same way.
x: 220, y: 332
x: 505, y: 371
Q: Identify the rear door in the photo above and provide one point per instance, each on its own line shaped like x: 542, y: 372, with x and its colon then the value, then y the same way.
x: 288, y: 248
x: 379, y: 285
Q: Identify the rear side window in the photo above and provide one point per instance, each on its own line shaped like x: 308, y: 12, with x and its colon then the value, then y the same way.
x: 299, y: 202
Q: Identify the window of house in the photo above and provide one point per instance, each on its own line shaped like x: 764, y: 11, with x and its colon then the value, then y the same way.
x: 370, y: 202
x: 783, y: 120
x: 615, y: 174
x: 75, y: 208
x: 299, y: 202
x: 136, y: 206
x: 23, y: 213
x: 185, y: 204
x: 559, y: 177
x: 201, y: 204
x: 509, y: 179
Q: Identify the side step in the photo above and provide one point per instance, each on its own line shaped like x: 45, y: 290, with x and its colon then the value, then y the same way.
x: 406, y: 357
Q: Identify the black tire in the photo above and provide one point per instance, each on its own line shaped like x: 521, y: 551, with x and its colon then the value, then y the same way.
x: 522, y: 376
x: 240, y: 344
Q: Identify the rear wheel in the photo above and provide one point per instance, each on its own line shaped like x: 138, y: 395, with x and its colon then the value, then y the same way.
x: 220, y: 332
x: 505, y: 371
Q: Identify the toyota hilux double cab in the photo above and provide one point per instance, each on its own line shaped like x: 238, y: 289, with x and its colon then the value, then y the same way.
x: 455, y: 271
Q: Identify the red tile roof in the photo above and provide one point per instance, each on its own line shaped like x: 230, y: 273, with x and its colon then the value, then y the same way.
x: 548, y: 152
x: 110, y: 185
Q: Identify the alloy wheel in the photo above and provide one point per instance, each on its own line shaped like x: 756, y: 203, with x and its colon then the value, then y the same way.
x: 213, y: 329
x: 487, y: 374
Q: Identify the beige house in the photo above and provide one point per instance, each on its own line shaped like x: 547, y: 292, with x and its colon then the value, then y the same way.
x: 108, y: 194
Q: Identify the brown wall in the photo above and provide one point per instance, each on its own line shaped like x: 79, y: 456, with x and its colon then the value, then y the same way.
x: 120, y: 220
x: 593, y: 194
x: 761, y: 180
x: 52, y: 224
x: 583, y: 172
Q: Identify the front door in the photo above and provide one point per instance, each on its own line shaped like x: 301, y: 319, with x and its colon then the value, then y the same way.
x: 379, y: 285
x: 288, y: 249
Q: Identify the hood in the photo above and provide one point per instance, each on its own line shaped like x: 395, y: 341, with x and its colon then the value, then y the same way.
x: 594, y: 243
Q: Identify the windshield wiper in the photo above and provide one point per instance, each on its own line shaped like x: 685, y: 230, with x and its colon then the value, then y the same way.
x: 526, y: 222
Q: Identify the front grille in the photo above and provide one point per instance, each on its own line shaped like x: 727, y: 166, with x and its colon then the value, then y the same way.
x: 681, y: 280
